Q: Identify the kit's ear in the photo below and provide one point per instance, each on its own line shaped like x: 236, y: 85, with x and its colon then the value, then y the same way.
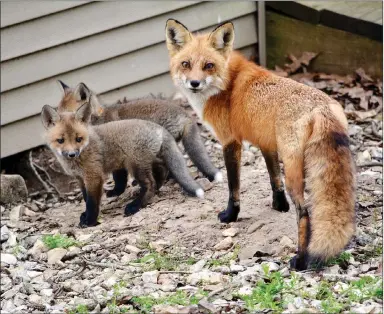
x: 222, y: 38
x: 64, y: 87
x: 49, y: 116
x: 82, y: 92
x: 177, y: 35
x: 84, y: 113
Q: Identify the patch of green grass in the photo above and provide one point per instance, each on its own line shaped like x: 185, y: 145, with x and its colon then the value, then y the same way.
x: 145, y: 303
x: 112, y: 305
x: 266, y: 294
x: 59, y: 241
x: 80, y: 309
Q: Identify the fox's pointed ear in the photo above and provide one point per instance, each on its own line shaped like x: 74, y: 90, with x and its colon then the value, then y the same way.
x: 177, y: 35
x: 84, y: 113
x: 222, y: 38
x: 82, y: 92
x: 66, y: 89
x: 49, y: 116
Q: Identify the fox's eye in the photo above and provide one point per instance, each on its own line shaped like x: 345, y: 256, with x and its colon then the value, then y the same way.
x: 79, y: 139
x: 185, y: 64
x: 60, y: 140
x: 209, y: 66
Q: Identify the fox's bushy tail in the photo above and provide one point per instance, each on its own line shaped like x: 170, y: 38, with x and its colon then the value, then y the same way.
x: 330, y: 177
x: 195, y: 149
x: 176, y: 164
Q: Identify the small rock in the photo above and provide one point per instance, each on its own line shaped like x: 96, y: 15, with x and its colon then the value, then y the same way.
x: 205, y: 184
x: 285, y: 272
x: 363, y: 309
x: 34, y: 298
x: 224, y: 244
x: 222, y: 269
x: 172, y: 309
x: 73, y: 251
x: 236, y: 268
x: 47, y: 293
x: 91, y: 247
x: 255, y: 226
x: 38, y: 249
x: 246, y: 290
x: 298, y: 302
x: 131, y: 248
x: 111, y: 281
x: 158, y: 245
x: 55, y: 255
x: 4, y: 233
x: 364, y: 268
x: 247, y: 158
x: 8, y: 259
x: 363, y: 157
x: 287, y: 242
x: 16, y: 213
x: 150, y: 276
x: 33, y: 274
x: 206, y: 276
x: 12, y: 239
x: 126, y: 258
x: 28, y: 212
x: 271, y: 266
x: 84, y: 237
x: 231, y: 232
x: 335, y: 269
x: 198, y: 266
x: 207, y: 306
x: 13, y: 189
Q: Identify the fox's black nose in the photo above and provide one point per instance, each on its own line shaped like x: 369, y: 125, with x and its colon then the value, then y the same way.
x: 195, y: 84
x: 72, y: 154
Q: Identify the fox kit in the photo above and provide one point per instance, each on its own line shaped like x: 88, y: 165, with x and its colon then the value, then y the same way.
x: 89, y: 153
x: 170, y: 116
x: 300, y: 124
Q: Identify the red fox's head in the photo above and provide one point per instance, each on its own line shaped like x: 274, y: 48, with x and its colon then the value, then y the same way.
x: 74, y: 98
x: 198, y: 63
x: 67, y: 132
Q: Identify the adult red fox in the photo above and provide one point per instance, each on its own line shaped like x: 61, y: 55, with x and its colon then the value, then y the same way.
x: 89, y: 153
x: 300, y: 124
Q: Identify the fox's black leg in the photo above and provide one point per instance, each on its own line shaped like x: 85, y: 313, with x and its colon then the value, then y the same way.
x: 121, y: 178
x: 280, y: 202
x: 232, y: 157
x: 160, y: 173
x: 93, y: 191
x: 147, y: 190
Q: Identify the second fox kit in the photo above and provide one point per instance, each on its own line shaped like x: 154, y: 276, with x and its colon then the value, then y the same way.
x: 172, y: 117
x: 304, y: 126
x: 89, y: 153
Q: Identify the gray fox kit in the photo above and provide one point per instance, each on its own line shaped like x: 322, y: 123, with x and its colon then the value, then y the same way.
x: 170, y: 116
x: 89, y: 153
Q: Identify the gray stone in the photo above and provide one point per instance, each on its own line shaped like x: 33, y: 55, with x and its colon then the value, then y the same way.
x: 4, y: 233
x: 16, y: 213
x: 236, y: 268
x: 205, y: 276
x: 46, y: 293
x: 34, y: 298
x: 247, y: 158
x: 150, y: 276
x: 224, y: 244
x: 231, y: 232
x: 132, y: 249
x: 8, y: 259
x: 198, y: 266
x: 91, y: 247
x: 13, y: 189
x: 55, y: 255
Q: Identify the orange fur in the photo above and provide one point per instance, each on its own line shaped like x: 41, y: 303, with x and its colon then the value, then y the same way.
x: 305, y: 127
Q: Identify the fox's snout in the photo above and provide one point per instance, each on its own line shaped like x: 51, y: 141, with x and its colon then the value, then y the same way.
x: 71, y: 154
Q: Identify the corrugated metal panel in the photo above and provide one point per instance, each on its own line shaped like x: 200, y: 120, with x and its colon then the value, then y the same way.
x: 116, y: 55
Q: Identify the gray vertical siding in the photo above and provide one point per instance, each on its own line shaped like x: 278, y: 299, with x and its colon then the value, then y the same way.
x: 117, y: 48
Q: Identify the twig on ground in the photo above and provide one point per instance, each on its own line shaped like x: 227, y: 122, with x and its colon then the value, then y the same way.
x: 48, y: 177
x: 217, y: 291
x: 174, y: 272
x: 45, y: 185
x: 371, y: 164
x: 73, y: 274
x: 105, y: 265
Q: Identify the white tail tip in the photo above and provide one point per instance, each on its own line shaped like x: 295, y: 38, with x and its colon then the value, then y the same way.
x: 200, y: 193
x: 219, y: 177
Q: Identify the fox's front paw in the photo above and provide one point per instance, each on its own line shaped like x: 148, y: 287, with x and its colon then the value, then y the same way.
x: 86, y: 222
x: 280, y: 202
x: 132, y: 208
x: 299, y: 262
x: 231, y: 213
